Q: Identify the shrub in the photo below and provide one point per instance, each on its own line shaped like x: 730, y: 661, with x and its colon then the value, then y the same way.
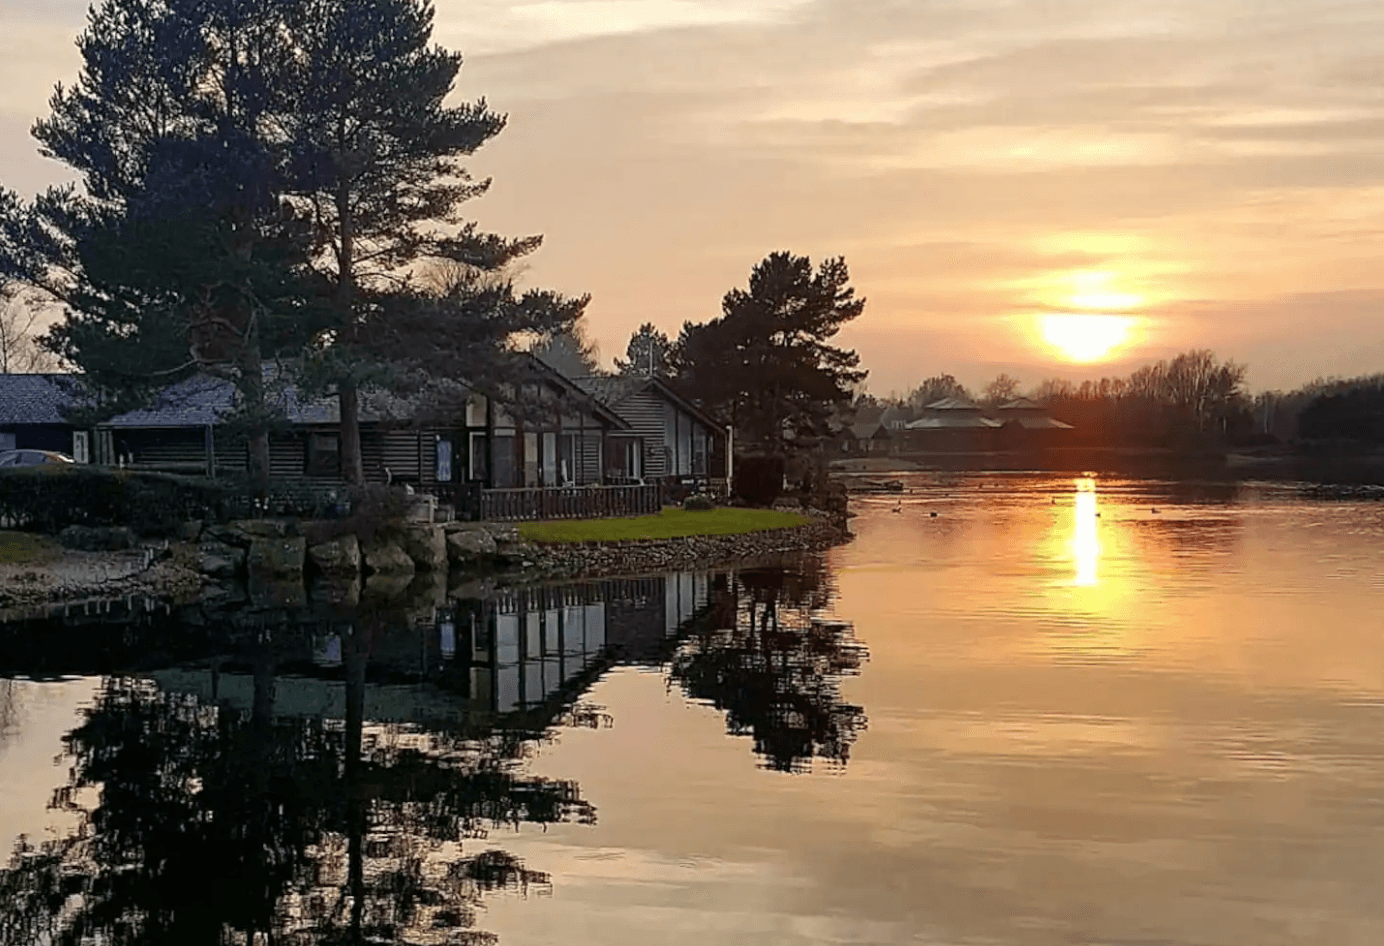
x: 758, y: 480
x: 51, y: 497
x: 699, y: 502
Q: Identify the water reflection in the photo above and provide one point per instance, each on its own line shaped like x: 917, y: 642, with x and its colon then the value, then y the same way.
x: 1085, y: 538
x: 261, y: 771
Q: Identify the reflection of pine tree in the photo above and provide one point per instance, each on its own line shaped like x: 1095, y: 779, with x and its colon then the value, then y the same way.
x: 775, y: 667
x: 215, y: 826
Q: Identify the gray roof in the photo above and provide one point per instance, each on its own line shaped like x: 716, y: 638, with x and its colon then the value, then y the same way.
x: 953, y: 404
x: 203, y: 400
x: 34, y: 398
x: 1022, y: 404
x: 956, y: 421
x: 1038, y: 422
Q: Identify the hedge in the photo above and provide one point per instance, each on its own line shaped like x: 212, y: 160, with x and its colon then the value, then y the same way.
x: 51, y: 497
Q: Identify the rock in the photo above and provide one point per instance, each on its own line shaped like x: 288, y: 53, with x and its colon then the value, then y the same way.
x: 386, y: 558
x: 470, y: 544
x: 337, y: 591
x: 381, y: 587
x: 276, y: 558
x: 337, y: 558
x: 426, y: 544
x: 97, y: 539
x: 260, y: 528
x: 190, y: 531
x: 214, y: 566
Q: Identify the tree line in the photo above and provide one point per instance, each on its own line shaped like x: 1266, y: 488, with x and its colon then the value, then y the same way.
x: 284, y: 180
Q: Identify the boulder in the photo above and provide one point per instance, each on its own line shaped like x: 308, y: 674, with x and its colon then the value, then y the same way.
x: 466, y: 545
x: 260, y: 528
x: 275, y: 594
x: 276, y: 558
x: 337, y: 558
x: 386, y: 558
x: 426, y: 544
x: 221, y: 561
x: 190, y: 531
x: 381, y: 587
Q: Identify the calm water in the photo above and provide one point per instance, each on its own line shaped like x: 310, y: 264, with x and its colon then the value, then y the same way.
x: 1056, y: 712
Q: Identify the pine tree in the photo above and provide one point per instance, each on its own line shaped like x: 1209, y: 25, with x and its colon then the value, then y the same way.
x: 766, y: 362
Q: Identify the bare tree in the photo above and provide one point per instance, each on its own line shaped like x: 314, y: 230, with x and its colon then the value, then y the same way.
x: 1004, y: 388
x: 20, y: 352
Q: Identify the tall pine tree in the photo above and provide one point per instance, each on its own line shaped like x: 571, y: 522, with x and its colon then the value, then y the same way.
x: 767, y: 363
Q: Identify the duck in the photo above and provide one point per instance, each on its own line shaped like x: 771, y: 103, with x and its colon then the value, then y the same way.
x: 1154, y: 510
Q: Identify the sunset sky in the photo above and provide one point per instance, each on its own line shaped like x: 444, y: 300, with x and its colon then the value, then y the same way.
x: 1199, y: 173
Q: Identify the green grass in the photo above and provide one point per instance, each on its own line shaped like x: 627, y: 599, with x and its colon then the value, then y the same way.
x: 670, y: 523
x: 18, y: 548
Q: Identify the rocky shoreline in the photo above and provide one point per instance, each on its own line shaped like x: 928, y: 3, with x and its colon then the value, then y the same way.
x: 220, y: 561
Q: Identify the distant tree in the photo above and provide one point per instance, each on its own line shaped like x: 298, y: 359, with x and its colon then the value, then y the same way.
x: 766, y: 362
x: 1003, y: 388
x: 20, y: 351
x: 647, y: 355
x: 569, y: 351
x: 937, y: 388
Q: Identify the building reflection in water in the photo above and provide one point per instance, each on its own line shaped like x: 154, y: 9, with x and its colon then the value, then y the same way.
x: 334, y: 774
x: 1085, y: 534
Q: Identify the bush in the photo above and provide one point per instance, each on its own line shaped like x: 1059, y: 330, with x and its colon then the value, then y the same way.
x: 758, y: 480
x: 51, y: 497
x: 699, y: 502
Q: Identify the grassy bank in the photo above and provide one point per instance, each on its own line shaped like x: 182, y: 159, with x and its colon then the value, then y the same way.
x: 22, y: 548
x: 668, y: 524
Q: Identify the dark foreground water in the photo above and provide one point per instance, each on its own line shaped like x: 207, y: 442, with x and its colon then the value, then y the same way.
x: 1056, y: 712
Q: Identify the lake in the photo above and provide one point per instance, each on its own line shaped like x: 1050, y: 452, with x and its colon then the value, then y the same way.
x: 1016, y: 709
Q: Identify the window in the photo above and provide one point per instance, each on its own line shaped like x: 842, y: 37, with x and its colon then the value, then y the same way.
x: 699, y: 451
x: 323, y: 455
x: 478, y: 457
x: 505, y: 473
x: 81, y: 446
x: 475, y: 411
x: 531, y: 459
x: 444, y: 461
x: 550, y: 459
x: 568, y: 469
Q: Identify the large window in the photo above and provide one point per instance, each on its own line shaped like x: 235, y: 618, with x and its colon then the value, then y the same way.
x: 550, y: 459
x: 699, y: 450
x: 477, y: 457
x: 323, y: 455
x: 475, y: 411
x: 569, y: 469
x: 506, y: 472
x: 531, y: 459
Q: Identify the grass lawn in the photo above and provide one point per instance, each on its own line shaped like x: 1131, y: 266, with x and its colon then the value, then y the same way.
x: 670, y: 523
x: 19, y: 548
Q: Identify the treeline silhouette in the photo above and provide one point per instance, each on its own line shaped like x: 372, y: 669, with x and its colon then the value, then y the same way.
x: 1192, y: 400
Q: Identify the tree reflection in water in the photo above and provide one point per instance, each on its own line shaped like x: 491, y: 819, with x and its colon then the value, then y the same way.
x: 215, y: 825
x: 330, y: 774
x: 773, y: 664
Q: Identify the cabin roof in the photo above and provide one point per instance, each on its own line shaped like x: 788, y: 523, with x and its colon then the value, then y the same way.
x: 1022, y: 404
x: 613, y: 390
x: 36, y: 398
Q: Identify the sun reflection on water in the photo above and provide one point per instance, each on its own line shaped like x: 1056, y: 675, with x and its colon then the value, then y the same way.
x: 1085, y: 539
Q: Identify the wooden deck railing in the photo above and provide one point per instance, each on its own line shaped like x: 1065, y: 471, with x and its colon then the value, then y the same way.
x: 569, y: 502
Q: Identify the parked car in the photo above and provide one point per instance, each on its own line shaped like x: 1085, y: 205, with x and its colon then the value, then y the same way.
x: 32, y: 457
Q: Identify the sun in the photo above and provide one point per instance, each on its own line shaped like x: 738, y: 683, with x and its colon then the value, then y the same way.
x: 1085, y: 338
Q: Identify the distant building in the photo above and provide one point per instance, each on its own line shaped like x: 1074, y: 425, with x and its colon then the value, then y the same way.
x: 867, y: 439
x: 1027, y: 424
x: 951, y: 424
